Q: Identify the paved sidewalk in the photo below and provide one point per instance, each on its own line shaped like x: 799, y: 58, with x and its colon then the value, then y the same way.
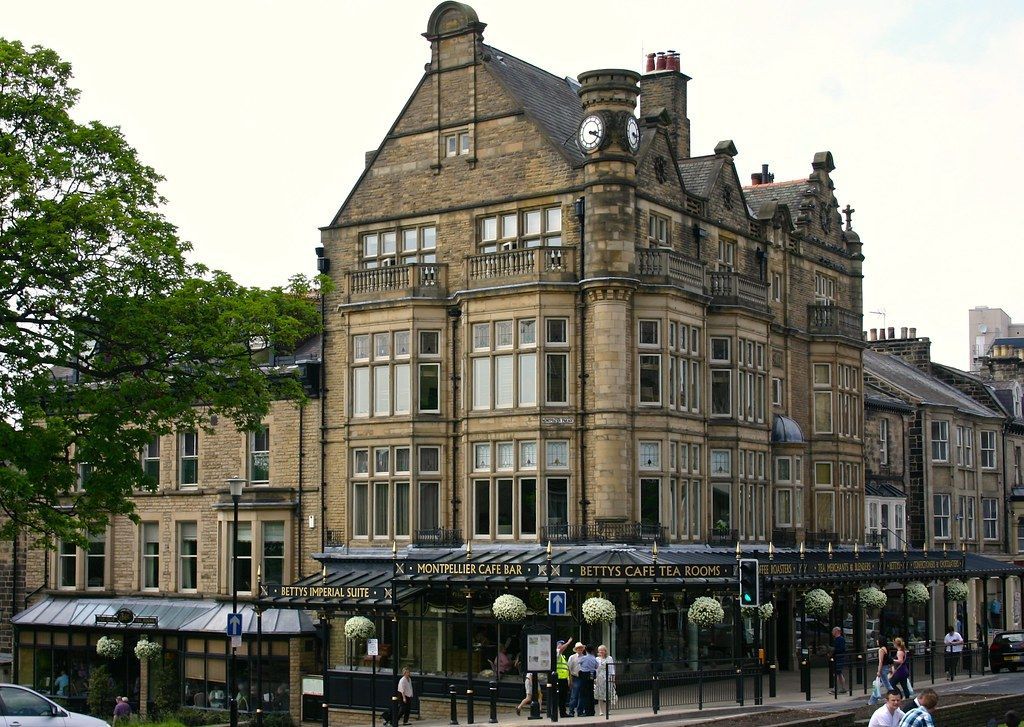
x: 789, y: 698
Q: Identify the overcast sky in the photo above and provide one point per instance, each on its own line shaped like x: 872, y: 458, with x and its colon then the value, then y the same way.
x: 258, y: 114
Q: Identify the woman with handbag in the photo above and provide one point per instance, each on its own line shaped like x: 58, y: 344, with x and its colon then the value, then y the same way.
x: 901, y: 669
x: 882, y: 686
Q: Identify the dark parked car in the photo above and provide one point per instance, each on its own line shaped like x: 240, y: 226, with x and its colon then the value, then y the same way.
x: 1006, y: 651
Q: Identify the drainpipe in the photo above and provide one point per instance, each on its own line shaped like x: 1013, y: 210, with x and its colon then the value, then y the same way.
x: 298, y: 514
x: 579, y: 207
x: 323, y: 424
x: 14, y: 588
x: 455, y: 315
x: 45, y: 583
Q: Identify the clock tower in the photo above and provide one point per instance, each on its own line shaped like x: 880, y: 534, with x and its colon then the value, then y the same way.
x: 609, y: 137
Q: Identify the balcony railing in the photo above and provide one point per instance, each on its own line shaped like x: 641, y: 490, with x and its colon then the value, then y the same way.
x: 605, y: 533
x: 438, y: 538
x: 416, y: 280
x: 723, y: 537
x: 730, y: 288
x: 784, y: 537
x: 824, y: 319
x: 670, y: 268
x: 521, y: 265
x: 820, y: 539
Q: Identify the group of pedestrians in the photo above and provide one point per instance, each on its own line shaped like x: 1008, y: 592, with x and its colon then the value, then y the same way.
x: 892, y: 670
x: 899, y: 712
x: 586, y: 681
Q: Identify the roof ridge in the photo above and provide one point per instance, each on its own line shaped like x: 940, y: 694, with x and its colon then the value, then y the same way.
x: 775, y: 184
x: 526, y: 62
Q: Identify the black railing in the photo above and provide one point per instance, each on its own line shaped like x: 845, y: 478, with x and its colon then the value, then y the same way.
x: 335, y: 538
x: 784, y: 537
x: 438, y: 538
x: 723, y: 537
x: 820, y: 539
x: 649, y: 685
x: 605, y: 533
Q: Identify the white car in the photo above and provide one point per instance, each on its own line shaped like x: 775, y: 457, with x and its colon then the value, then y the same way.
x: 22, y: 707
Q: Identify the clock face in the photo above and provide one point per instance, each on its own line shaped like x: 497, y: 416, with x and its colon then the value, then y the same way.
x: 591, y: 133
x: 632, y: 134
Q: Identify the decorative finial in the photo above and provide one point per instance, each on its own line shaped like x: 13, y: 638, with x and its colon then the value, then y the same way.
x: 801, y: 550
x: 394, y: 548
x: 848, y: 214
x: 963, y: 547
x: 856, y: 548
x: 469, y: 549
x: 654, y: 551
x: 830, y: 550
x: 771, y: 550
x: 738, y: 554
x: 549, y: 550
x: 259, y: 571
x: 943, y: 547
x: 881, y: 549
x: 323, y: 573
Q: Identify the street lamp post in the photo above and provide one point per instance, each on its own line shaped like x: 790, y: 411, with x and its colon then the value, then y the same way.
x: 235, y: 485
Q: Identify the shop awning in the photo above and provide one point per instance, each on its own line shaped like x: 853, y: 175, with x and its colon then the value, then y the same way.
x: 157, y: 614
x: 345, y: 583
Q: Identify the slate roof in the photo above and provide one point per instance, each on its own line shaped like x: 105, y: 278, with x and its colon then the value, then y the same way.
x: 920, y: 385
x: 878, y: 398
x: 1015, y: 342
x: 552, y: 102
x: 789, y: 193
x: 874, y: 488
x: 699, y: 174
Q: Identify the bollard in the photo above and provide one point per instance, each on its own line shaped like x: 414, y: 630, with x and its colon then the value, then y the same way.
x: 395, y: 709
x: 739, y: 686
x: 832, y: 681
x: 758, y: 688
x: 552, y: 687
x: 455, y: 714
x: 655, y: 693
x: 534, y: 697
x: 805, y: 677
x: 493, y: 688
x: 771, y: 680
x: 469, y: 707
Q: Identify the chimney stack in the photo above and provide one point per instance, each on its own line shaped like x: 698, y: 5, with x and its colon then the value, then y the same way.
x: 664, y: 88
x: 755, y: 179
x: 892, y: 333
x: 903, y: 332
x: 881, y: 334
x: 766, y: 176
x: 913, y: 333
x: 873, y: 334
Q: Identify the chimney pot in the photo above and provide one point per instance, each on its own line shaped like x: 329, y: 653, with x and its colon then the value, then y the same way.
x: 903, y: 332
x: 873, y: 333
x: 892, y: 333
x: 659, y: 62
x: 674, y: 61
x: 755, y: 178
x: 649, y: 65
x: 881, y: 334
x: 913, y: 333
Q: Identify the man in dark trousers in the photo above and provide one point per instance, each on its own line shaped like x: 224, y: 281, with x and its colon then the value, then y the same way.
x: 588, y: 672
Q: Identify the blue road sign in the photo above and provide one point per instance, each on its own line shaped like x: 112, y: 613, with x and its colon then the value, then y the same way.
x: 556, y: 603
x: 234, y: 624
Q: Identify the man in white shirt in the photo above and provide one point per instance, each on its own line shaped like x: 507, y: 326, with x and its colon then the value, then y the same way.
x: 405, y: 694
x: 954, y: 647
x: 889, y: 714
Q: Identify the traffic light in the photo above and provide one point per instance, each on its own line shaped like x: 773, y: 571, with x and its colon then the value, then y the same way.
x: 750, y: 591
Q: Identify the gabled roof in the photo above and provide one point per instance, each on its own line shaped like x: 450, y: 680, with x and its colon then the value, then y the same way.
x: 552, y: 102
x: 789, y: 193
x: 921, y: 386
x: 700, y: 174
x: 878, y: 399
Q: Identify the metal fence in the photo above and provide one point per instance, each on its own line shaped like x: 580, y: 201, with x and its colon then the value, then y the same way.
x: 654, y: 685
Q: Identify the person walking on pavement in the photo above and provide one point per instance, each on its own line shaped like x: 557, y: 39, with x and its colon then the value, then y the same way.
x: 588, y: 672
x: 122, y: 710
x: 576, y: 683
x: 604, y: 686
x: 405, y: 695
x: 954, y: 647
x: 882, y: 672
x: 562, y: 669
x: 838, y: 660
x: 901, y: 669
x: 889, y: 714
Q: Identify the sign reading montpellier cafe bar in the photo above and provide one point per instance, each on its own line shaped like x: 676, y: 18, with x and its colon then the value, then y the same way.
x: 470, y: 569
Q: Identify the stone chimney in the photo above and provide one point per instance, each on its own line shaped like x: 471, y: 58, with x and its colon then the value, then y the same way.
x: 915, y: 351
x: 664, y: 88
x: 455, y: 33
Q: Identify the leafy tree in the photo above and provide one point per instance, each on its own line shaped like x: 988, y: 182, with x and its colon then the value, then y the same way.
x: 108, y: 334
x: 101, y: 692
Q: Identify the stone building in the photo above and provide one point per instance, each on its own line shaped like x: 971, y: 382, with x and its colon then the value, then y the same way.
x: 988, y: 327
x: 168, y: 577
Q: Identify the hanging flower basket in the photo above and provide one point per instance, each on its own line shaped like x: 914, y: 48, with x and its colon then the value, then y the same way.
x: 509, y: 608
x: 360, y: 627
x: 705, y: 611
x: 764, y: 612
x: 817, y: 603
x: 917, y: 593
x: 109, y: 648
x: 597, y: 610
x: 956, y: 590
x: 146, y: 650
x: 872, y: 597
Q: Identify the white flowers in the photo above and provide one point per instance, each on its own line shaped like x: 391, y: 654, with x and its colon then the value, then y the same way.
x: 871, y: 597
x: 598, y: 610
x: 917, y: 593
x: 146, y: 649
x: 108, y: 647
x: 359, y: 627
x: 817, y: 603
x: 764, y: 612
x: 956, y: 590
x: 705, y: 611
x: 508, y: 608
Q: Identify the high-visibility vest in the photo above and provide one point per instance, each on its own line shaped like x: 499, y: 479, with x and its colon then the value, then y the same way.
x: 563, y: 667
